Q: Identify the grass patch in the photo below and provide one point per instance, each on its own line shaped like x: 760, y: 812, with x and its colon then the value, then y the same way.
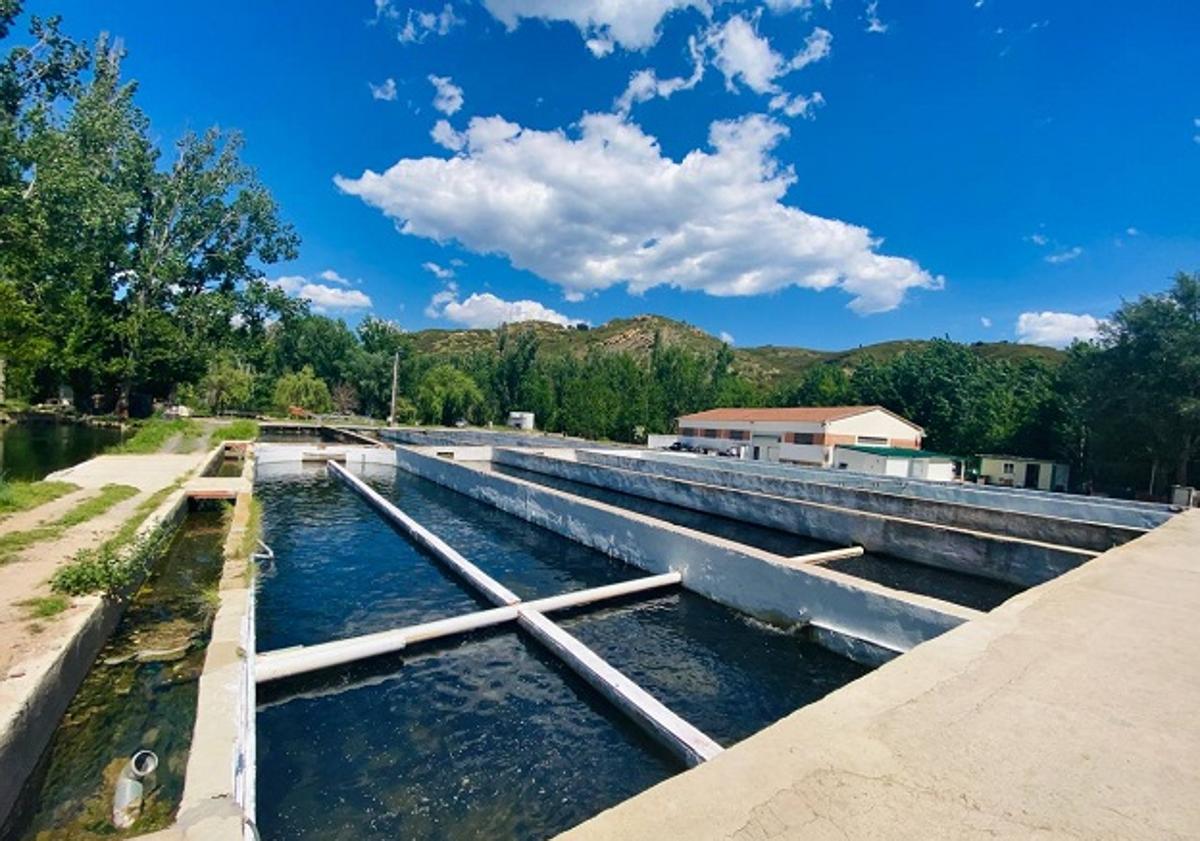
x: 153, y: 434
x: 21, y: 496
x: 110, y: 570
x: 242, y: 429
x: 44, y: 607
x: 90, y: 508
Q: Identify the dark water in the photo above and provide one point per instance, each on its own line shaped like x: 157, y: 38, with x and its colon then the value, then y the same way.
x: 959, y: 588
x: 770, y: 540
x: 124, y: 705
x: 32, y: 450
x: 486, y: 736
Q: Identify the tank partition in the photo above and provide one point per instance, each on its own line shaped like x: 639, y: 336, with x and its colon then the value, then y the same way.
x: 1136, y: 515
x: 741, y: 577
x: 1013, y: 560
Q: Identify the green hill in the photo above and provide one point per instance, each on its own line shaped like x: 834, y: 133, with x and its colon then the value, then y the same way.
x: 768, y: 363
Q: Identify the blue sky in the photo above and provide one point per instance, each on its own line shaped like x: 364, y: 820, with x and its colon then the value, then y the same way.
x: 823, y: 175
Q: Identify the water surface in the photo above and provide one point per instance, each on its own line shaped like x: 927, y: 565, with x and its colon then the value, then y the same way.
x: 31, y: 450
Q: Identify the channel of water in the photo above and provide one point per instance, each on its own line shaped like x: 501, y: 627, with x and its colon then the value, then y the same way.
x: 30, y: 450
x: 140, y: 694
x: 486, y: 736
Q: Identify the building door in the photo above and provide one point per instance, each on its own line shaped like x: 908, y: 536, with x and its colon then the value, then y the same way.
x: 1032, y: 474
x: 756, y: 451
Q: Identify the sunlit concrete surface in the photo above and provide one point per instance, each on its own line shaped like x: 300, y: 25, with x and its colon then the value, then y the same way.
x: 1068, y: 712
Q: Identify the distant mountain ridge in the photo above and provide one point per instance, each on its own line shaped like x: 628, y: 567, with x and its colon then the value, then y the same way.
x: 767, y: 363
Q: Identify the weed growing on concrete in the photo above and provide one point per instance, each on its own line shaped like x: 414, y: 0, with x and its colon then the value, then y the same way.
x: 242, y: 429
x: 109, y: 570
x: 45, y: 607
x: 152, y: 435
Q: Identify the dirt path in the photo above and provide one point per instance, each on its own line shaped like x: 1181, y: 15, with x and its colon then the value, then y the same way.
x: 27, y: 576
x: 34, y: 517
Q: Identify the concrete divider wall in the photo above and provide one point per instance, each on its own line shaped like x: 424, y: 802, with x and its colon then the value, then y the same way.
x: 968, y: 515
x: 1014, y: 560
x: 740, y: 577
x: 1073, y: 506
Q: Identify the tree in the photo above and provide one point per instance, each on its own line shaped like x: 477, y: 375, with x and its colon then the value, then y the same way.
x: 446, y: 395
x: 345, y: 398
x: 226, y: 384
x: 302, y: 390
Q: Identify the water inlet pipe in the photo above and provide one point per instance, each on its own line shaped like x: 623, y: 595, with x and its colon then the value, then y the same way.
x: 127, y: 799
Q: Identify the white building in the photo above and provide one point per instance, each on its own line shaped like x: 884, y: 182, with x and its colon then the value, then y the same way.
x: 520, y: 420
x: 896, y: 461
x: 796, y: 435
x: 1020, y: 472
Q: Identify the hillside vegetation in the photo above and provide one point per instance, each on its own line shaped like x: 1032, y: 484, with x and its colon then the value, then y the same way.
x: 766, y: 365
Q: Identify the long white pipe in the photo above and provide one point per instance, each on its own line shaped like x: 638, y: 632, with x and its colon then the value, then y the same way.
x: 828, y: 555
x: 286, y: 662
x: 496, y: 592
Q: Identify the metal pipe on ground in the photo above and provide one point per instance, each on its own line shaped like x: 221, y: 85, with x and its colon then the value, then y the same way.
x: 827, y: 555
x: 288, y: 662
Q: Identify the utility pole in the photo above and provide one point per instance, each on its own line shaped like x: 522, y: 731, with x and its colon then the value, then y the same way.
x: 395, y: 375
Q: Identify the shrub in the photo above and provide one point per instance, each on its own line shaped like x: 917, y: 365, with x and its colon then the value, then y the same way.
x: 109, y: 569
x: 303, y: 389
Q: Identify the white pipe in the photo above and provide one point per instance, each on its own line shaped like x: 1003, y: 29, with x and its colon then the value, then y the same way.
x: 677, y: 735
x: 127, y: 798
x: 273, y: 665
x: 496, y: 592
x: 828, y: 555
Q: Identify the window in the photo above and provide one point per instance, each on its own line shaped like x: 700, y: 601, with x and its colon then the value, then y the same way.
x: 688, y: 432
x: 710, y: 433
x: 739, y: 435
x: 871, y: 441
x: 1008, y: 468
x: 842, y: 465
x: 803, y: 438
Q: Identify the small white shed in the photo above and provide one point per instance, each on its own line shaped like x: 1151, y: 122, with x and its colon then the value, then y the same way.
x: 903, y: 462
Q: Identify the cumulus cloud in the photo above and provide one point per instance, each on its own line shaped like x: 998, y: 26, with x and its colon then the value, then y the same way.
x: 448, y: 97
x: 1056, y: 329
x: 781, y: 6
x: 984, y: 321
x: 333, y: 277
x: 385, y: 91
x: 1064, y: 256
x: 727, y: 338
x: 485, y: 310
x: 444, y: 135
x: 604, y: 24
x: 419, y: 25
x: 743, y: 56
x: 607, y: 207
x: 440, y: 272
x: 322, y: 297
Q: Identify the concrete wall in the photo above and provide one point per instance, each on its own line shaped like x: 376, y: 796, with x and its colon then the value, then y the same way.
x: 1009, y: 559
x: 743, y: 578
x: 1136, y: 515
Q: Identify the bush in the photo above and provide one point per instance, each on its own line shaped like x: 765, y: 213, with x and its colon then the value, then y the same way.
x: 110, y: 569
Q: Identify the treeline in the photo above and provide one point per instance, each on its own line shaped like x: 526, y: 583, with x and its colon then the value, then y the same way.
x: 133, y: 275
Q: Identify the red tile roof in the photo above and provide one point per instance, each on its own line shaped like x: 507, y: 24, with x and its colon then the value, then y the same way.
x: 804, y: 414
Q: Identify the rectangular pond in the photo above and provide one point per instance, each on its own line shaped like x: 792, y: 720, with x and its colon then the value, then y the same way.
x: 487, y: 735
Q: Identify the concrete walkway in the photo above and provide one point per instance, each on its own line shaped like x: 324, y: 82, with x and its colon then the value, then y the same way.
x: 1072, y: 711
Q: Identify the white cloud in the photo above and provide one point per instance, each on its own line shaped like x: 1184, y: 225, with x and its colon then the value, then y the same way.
x: 1056, y: 329
x: 741, y: 54
x: 984, y: 321
x: 874, y: 24
x: 449, y: 96
x: 797, y: 105
x: 727, y: 338
x: 604, y: 24
x: 444, y: 135
x: 1038, y: 239
x: 1196, y: 123
x: 419, y: 25
x: 1064, y: 256
x: 440, y: 272
x: 333, y: 277
x: 385, y: 91
x: 1133, y: 232
x: 781, y: 6
x: 606, y: 207
x: 486, y: 310
x: 645, y: 85
x: 323, y: 298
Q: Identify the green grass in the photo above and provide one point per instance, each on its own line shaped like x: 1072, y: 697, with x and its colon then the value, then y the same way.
x: 90, y: 508
x: 21, y: 496
x: 129, y: 528
x: 242, y: 429
x: 153, y: 434
x: 44, y: 607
